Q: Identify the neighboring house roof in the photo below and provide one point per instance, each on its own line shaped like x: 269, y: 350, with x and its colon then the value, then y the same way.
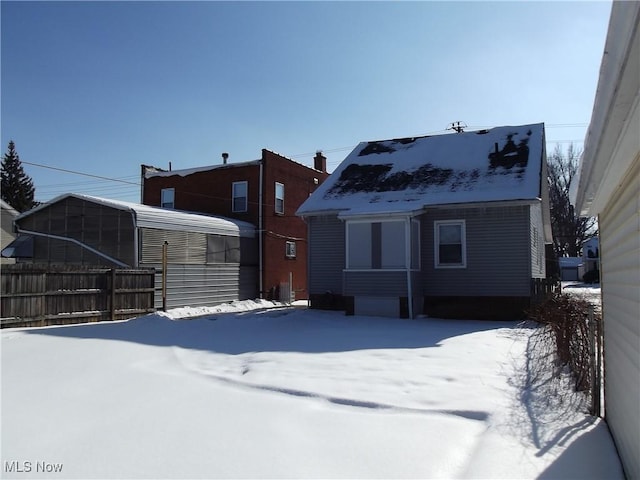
x: 9, y: 208
x: 166, y: 219
x: 405, y: 175
x: 150, y: 172
x: 570, y: 262
x: 188, y: 171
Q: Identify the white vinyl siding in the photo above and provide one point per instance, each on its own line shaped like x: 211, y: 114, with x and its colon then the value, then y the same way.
x: 450, y: 244
x: 619, y: 226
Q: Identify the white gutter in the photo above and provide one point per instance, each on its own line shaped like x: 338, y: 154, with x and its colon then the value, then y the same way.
x: 77, y: 242
x: 260, y: 230
x: 407, y: 256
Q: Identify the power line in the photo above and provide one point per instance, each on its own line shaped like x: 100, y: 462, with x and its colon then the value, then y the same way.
x: 80, y: 173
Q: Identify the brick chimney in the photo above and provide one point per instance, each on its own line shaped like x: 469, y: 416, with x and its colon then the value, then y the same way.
x: 320, y: 161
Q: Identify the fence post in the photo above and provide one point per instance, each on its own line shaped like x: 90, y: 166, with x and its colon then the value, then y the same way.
x: 165, y: 246
x: 112, y: 285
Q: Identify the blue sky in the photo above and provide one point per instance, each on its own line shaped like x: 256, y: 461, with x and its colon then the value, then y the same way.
x: 102, y: 87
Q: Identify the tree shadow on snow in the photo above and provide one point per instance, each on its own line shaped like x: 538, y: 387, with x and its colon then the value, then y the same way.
x: 277, y: 330
x: 592, y: 455
x: 555, y: 417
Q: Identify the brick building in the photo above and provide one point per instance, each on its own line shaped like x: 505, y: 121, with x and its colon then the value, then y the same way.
x: 265, y: 192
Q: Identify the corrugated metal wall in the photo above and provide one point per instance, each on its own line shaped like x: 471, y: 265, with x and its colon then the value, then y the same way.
x: 205, y: 285
x: 106, y: 229
x: 619, y: 227
x: 326, y: 254
x: 498, y: 253
x: 183, y: 247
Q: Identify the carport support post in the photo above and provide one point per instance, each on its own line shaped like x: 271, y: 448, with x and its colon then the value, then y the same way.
x: 164, y: 275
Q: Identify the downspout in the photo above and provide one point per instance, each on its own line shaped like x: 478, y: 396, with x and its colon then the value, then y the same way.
x: 77, y: 242
x: 260, y: 230
x: 407, y: 254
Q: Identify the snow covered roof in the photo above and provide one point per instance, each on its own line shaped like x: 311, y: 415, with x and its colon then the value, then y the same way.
x: 188, y: 171
x: 407, y: 174
x: 166, y: 219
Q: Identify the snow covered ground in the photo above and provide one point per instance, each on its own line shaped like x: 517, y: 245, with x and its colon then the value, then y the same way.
x: 256, y: 390
x: 587, y: 291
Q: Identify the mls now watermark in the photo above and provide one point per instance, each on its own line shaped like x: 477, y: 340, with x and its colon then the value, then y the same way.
x: 29, y: 467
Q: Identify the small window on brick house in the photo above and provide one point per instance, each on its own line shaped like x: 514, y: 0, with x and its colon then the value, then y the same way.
x: 239, y: 200
x: 290, y: 249
x: 167, y: 197
x: 279, y: 198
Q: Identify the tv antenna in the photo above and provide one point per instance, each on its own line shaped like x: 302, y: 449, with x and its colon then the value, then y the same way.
x: 458, y: 127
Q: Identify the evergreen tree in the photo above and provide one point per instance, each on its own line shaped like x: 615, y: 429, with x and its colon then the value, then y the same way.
x: 17, y: 187
x: 569, y: 229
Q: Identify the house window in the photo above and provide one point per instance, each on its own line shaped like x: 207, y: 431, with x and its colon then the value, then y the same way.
x: 239, y: 201
x: 290, y: 249
x: 279, y: 198
x: 167, y: 197
x: 381, y: 245
x: 359, y: 245
x: 450, y: 244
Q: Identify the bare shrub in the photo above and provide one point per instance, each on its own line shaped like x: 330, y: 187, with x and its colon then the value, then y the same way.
x: 566, y: 322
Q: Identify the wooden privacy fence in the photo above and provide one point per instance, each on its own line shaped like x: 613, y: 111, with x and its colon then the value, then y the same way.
x: 541, y: 288
x: 39, y: 295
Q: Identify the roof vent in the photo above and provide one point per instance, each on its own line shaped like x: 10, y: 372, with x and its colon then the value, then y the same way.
x: 225, y: 157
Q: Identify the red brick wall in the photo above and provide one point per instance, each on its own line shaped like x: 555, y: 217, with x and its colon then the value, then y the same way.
x: 210, y: 192
x: 298, y: 181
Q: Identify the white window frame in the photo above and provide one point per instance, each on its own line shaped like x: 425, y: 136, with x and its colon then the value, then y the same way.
x: 234, y: 196
x: 436, y: 243
x: 290, y: 249
x: 367, y: 246
x: 281, y: 198
x: 168, y: 198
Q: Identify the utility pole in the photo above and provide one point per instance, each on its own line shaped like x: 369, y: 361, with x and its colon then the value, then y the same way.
x: 458, y: 126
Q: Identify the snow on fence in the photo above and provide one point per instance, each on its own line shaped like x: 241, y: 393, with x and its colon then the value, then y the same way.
x: 40, y: 295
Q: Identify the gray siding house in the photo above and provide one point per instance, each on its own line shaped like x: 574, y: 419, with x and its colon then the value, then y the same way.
x: 210, y: 259
x: 450, y: 225
x: 609, y: 187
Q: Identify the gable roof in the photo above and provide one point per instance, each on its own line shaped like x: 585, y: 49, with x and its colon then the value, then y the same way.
x: 405, y: 175
x: 8, y: 208
x: 163, y: 218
